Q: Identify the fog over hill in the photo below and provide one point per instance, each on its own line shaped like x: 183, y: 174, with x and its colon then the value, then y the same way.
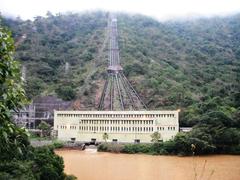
x: 193, y: 65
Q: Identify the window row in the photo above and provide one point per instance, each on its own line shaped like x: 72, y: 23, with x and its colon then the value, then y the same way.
x: 73, y: 127
x: 169, y: 128
x: 115, y: 115
x: 62, y: 127
x: 116, y: 122
x: 115, y: 129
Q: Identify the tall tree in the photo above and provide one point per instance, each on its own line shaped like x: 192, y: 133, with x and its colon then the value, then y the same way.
x: 45, y: 127
x: 156, y: 136
x: 18, y: 159
x: 13, y: 139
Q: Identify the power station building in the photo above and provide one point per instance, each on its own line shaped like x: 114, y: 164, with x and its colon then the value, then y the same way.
x: 121, y: 112
x: 121, y: 126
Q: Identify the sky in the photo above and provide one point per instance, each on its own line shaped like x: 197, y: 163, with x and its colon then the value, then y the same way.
x: 160, y: 9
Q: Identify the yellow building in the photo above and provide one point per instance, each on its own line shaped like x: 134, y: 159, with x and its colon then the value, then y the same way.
x: 121, y: 126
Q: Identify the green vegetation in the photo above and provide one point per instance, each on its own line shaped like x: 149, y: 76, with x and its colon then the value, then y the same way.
x: 18, y: 159
x: 192, y: 65
x: 156, y: 136
x: 110, y: 147
x: 13, y: 140
x: 214, y: 134
x: 45, y: 128
x: 52, y: 42
x: 66, y: 92
x: 38, y: 163
x: 189, y: 65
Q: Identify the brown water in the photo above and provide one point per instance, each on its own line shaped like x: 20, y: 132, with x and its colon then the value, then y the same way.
x: 90, y: 165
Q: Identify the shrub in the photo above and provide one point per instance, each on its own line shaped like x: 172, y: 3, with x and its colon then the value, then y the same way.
x: 66, y: 92
x: 16, y: 170
x: 48, y: 164
x: 111, y: 147
x: 57, y: 145
x: 169, y: 147
x: 70, y: 177
x: 136, y: 148
x: 102, y: 148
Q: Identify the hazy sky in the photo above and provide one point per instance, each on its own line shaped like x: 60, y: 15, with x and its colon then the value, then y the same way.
x: 161, y: 9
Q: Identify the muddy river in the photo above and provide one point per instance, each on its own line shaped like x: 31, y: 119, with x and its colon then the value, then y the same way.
x: 92, y: 165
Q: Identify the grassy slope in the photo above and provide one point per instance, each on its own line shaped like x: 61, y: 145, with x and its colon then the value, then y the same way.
x: 190, y: 65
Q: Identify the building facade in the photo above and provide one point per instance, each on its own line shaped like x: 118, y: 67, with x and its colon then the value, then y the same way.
x: 121, y: 126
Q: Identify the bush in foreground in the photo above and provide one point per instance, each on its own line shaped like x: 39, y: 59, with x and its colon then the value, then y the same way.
x: 39, y: 163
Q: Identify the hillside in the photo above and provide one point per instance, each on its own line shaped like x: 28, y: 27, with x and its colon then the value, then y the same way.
x: 192, y: 65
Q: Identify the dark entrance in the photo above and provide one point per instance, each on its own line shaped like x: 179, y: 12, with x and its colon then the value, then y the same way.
x: 137, y: 141
x: 73, y: 140
x: 93, y: 141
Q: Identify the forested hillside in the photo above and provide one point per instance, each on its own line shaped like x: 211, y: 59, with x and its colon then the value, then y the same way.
x: 191, y: 65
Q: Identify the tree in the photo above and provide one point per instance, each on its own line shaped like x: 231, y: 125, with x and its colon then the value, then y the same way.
x: 34, y: 87
x: 156, y: 136
x: 45, y: 127
x: 66, y: 92
x: 18, y: 159
x: 13, y: 140
x: 105, y: 136
x: 182, y: 144
x: 48, y: 164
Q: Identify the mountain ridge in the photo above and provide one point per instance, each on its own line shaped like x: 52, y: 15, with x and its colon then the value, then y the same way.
x: 192, y: 65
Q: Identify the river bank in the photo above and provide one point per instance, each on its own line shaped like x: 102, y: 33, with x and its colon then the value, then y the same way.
x: 92, y: 165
